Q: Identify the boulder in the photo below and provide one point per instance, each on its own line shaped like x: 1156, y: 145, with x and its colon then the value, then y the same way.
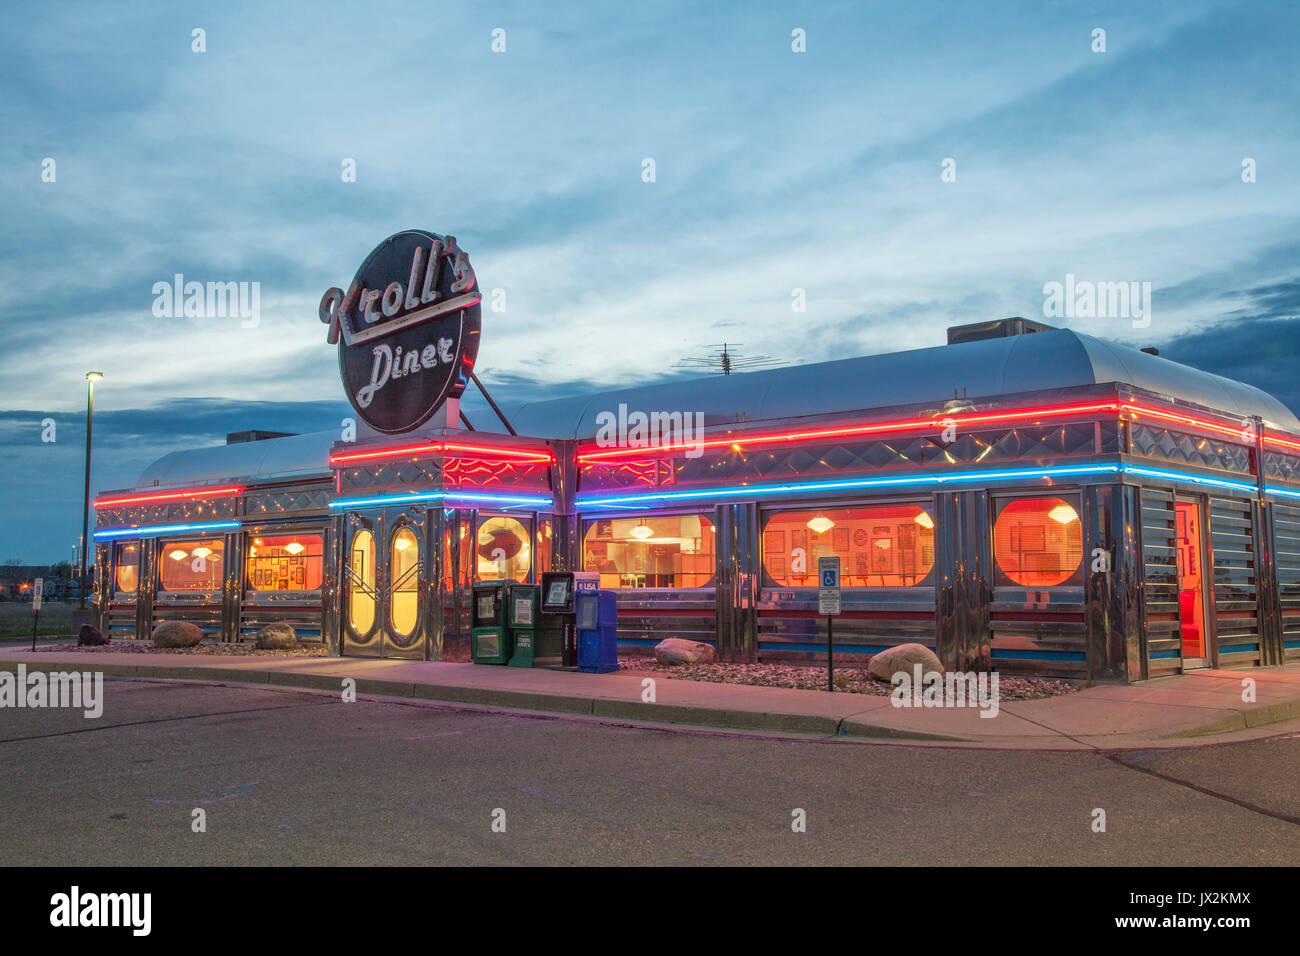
x: 176, y: 634
x: 674, y: 650
x: 90, y: 636
x: 276, y: 637
x: 904, y: 657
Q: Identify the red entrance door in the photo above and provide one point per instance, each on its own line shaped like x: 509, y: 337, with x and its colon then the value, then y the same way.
x: 1191, y: 584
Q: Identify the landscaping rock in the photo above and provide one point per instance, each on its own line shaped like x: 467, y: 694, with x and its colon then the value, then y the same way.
x: 176, y: 634
x: 904, y: 657
x: 90, y: 636
x: 276, y: 637
x: 674, y: 650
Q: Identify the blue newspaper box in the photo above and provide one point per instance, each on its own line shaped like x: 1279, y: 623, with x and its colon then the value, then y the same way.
x: 597, y: 614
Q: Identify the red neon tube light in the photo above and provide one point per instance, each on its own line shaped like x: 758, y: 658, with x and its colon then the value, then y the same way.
x: 913, y: 424
x: 479, y: 451
x: 188, y: 494
x: 865, y: 429
x: 1283, y: 442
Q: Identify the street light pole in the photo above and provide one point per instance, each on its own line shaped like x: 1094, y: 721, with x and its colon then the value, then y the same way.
x: 91, y: 379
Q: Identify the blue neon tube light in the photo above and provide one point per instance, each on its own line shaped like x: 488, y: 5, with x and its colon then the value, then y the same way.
x: 915, y: 479
x: 108, y: 533
x: 444, y: 496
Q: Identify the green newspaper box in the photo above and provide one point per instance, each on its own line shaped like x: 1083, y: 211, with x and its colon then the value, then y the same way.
x: 490, y: 635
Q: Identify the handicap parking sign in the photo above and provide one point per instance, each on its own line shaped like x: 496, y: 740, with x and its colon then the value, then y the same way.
x: 828, y: 578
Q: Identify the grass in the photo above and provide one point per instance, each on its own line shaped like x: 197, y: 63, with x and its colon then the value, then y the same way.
x: 16, y: 619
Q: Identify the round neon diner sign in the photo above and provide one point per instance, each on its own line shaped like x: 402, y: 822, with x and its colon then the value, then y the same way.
x: 407, y: 329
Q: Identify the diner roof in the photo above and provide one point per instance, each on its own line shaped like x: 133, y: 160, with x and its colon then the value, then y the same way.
x: 1040, y: 361
x: 1036, y: 362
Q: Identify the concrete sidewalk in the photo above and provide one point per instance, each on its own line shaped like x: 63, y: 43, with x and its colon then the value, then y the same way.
x: 1185, y: 710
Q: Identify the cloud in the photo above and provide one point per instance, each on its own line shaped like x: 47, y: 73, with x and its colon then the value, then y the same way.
x: 776, y: 171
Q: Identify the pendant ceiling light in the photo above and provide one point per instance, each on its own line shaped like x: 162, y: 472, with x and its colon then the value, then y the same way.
x: 1063, y: 514
x: 642, y: 531
x: 821, y: 524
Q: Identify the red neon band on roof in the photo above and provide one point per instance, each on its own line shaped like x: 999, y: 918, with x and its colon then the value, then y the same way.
x: 508, y: 454
x: 171, y: 496
x: 847, y: 430
x: 909, y: 425
x: 1285, y: 443
x: 1186, y: 420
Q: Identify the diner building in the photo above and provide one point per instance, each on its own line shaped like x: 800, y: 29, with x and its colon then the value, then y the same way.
x: 1025, y: 499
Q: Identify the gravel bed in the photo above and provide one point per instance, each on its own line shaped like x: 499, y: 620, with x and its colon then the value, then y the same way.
x: 211, y: 649
x: 848, y: 679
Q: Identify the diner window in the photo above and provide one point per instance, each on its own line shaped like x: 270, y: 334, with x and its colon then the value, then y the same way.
x: 879, y: 546
x: 448, y: 562
x: 503, y: 550
x: 404, y: 597
x: 127, y: 566
x: 289, y: 562
x: 1038, y: 542
x: 661, y: 551
x: 192, y: 565
x: 361, y: 582
x: 545, y: 544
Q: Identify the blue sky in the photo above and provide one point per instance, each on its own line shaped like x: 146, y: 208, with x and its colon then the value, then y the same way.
x: 775, y: 170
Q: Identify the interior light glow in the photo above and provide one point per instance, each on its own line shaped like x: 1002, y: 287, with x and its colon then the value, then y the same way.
x: 401, y: 544
x: 924, y: 520
x: 177, y: 555
x: 821, y: 524
x: 201, y: 552
x: 1063, y: 514
x: 642, y: 532
x: 294, y: 547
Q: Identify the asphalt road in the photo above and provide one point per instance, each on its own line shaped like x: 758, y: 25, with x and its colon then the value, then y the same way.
x: 287, y: 777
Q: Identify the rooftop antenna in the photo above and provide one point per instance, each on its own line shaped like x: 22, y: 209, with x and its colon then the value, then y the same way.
x: 722, y: 360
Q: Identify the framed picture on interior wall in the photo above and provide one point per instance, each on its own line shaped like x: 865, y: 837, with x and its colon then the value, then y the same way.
x: 298, y: 575
x: 799, y: 538
x: 775, y: 567
x: 840, y: 539
x: 605, y: 528
x: 773, y: 542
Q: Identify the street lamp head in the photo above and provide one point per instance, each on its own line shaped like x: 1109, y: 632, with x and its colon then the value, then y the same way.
x: 94, y: 376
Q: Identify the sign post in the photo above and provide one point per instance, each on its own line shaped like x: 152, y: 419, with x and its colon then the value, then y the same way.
x: 36, y: 606
x: 828, y: 603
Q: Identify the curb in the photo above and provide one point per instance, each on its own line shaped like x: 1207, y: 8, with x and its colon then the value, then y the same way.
x: 1243, y: 720
x: 615, y: 708
x: 609, y: 707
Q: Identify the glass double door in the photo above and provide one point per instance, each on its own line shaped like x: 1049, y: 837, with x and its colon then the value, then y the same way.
x: 385, y: 583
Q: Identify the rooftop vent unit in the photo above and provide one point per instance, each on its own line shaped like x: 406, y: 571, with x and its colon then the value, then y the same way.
x: 996, y: 329
x: 235, y: 438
